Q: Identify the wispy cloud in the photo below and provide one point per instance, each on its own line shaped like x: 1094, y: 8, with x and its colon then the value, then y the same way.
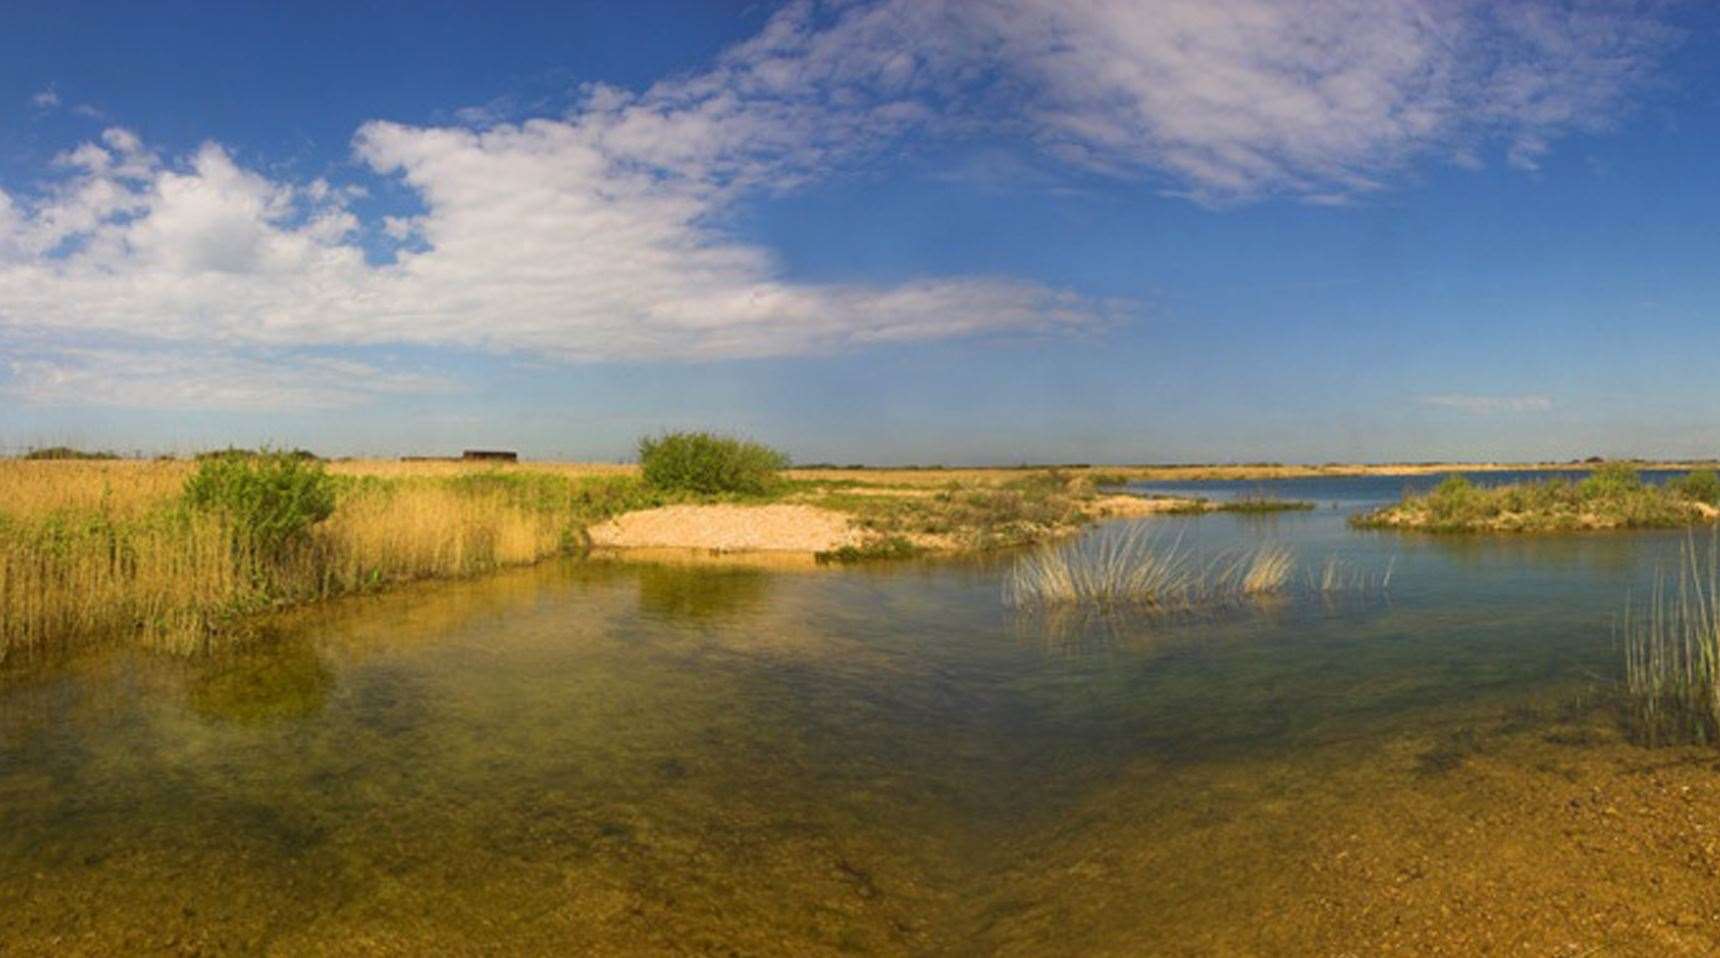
x: 1489, y: 405
x: 1318, y: 97
x: 45, y: 99
x: 148, y: 378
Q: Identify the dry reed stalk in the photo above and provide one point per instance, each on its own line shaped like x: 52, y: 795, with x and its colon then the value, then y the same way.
x: 1672, y: 647
x: 167, y: 577
x: 1130, y: 566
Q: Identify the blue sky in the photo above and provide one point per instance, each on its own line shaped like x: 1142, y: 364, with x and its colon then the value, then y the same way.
x: 878, y: 230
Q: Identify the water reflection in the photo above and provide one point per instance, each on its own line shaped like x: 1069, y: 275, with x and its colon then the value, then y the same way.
x: 691, y: 593
x: 286, y: 679
x: 647, y: 758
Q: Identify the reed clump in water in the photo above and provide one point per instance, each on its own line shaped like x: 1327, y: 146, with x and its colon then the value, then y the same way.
x: 1672, y: 647
x: 1336, y: 575
x: 1129, y: 566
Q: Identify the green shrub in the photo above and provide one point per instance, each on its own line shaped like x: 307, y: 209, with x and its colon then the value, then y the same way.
x: 272, y: 498
x: 703, y: 463
x: 1611, y: 480
x: 1454, y: 498
x: 1701, y: 485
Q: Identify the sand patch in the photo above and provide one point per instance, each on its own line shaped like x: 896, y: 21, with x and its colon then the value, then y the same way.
x: 729, y: 528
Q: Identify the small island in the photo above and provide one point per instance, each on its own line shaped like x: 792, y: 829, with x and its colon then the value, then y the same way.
x: 1613, y: 496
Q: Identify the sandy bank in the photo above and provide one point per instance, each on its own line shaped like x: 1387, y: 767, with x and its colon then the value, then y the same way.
x: 789, y: 528
x: 729, y: 528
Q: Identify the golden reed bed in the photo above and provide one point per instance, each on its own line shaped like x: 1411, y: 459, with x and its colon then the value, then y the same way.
x: 95, y: 550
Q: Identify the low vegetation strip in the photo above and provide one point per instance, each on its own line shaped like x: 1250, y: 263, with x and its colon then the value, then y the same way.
x: 1254, y: 504
x: 1613, y: 496
x: 178, y: 553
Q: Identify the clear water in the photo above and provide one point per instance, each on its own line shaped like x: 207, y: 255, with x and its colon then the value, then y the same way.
x: 600, y: 757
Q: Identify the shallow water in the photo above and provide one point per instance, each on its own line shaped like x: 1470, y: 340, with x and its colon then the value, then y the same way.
x: 602, y: 757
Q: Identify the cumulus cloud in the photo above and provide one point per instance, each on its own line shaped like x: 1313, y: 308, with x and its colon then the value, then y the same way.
x: 596, y: 234
x: 1489, y: 405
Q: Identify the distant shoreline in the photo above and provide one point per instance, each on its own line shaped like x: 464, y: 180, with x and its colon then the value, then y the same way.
x: 913, y: 474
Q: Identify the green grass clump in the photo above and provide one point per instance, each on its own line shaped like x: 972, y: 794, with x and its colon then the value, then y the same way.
x: 708, y: 464
x: 273, y: 499
x: 889, y: 547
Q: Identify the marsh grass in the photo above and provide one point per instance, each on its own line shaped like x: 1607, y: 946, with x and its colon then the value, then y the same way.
x: 1261, y: 501
x: 1337, y: 575
x: 1014, y: 513
x: 1138, y: 566
x: 94, y: 551
x: 1134, y: 566
x: 1254, y: 503
x: 1671, y: 646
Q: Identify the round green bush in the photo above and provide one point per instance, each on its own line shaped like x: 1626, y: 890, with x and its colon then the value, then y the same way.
x: 708, y: 464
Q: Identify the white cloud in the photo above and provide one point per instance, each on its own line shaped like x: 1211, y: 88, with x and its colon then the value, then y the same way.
x: 1235, y: 100
x: 202, y: 379
x: 46, y: 99
x: 1489, y: 405
x: 595, y: 235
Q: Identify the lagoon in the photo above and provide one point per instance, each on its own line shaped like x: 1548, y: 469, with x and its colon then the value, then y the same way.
x: 597, y: 756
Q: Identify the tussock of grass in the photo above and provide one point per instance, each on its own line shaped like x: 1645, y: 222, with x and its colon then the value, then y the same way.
x: 1118, y: 566
x: 1138, y: 567
x: 1612, y: 497
x: 1133, y: 566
